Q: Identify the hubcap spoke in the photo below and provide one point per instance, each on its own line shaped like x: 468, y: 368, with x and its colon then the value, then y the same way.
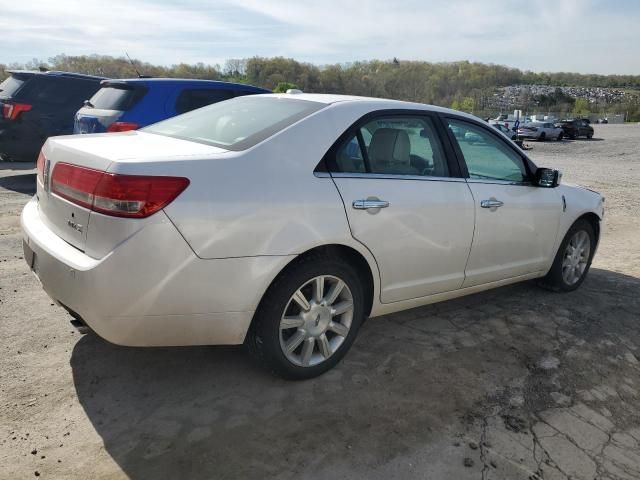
x: 301, y: 300
x: 307, y: 350
x: 338, y: 328
x: 295, y: 340
x: 334, y: 291
x: 324, y: 346
x: 342, y: 307
x: 291, y: 322
x: 318, y: 289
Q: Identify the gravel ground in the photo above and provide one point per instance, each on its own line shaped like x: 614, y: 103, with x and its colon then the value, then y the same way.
x: 515, y: 383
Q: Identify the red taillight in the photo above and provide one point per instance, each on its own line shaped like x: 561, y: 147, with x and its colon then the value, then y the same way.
x: 11, y: 111
x: 122, y: 127
x: 40, y: 166
x: 133, y: 196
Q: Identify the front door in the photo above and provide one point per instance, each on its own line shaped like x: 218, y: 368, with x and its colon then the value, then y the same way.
x: 404, y: 205
x: 516, y: 222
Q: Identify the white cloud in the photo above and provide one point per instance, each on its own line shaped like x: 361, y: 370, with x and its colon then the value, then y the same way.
x: 587, y: 35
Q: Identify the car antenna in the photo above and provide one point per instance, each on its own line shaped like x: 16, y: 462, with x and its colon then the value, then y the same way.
x: 133, y: 65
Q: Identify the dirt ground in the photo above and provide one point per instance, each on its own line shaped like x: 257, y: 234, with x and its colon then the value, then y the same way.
x: 515, y: 383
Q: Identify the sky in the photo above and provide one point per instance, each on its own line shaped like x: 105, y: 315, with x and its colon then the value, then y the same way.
x: 586, y: 36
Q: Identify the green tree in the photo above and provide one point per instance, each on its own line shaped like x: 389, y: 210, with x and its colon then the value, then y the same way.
x: 581, y: 107
x: 282, y: 87
x: 467, y: 104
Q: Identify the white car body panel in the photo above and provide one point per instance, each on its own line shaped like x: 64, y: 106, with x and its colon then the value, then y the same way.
x: 195, y: 272
x: 434, y: 249
x: 516, y: 238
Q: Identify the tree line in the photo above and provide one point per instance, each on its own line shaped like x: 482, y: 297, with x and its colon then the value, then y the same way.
x: 459, y: 84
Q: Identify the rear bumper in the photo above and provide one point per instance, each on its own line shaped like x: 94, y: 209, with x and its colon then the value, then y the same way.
x: 151, y: 290
x: 534, y: 135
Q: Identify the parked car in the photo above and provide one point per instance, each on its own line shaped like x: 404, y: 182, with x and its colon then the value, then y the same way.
x: 36, y: 105
x: 541, y: 131
x: 122, y: 105
x: 284, y: 220
x: 507, y: 131
x: 579, y: 127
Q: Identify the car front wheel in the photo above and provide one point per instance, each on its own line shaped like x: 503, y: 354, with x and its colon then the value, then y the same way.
x: 308, y: 318
x: 573, y: 259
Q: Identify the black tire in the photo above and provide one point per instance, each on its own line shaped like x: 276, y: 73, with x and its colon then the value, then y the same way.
x: 554, y: 279
x: 589, y: 136
x: 542, y: 137
x: 560, y: 136
x: 263, y: 338
x: 574, y: 136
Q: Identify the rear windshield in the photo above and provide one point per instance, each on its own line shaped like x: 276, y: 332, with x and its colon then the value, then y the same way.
x: 10, y: 86
x: 114, y: 98
x: 236, y: 124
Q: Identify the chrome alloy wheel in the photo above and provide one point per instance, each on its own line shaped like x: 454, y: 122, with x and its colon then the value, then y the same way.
x: 316, y: 320
x: 576, y: 257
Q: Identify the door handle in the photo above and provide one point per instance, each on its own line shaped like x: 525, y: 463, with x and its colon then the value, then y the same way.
x: 369, y: 203
x: 492, y: 203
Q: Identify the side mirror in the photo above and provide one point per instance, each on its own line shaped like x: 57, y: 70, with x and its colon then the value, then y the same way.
x: 548, y: 177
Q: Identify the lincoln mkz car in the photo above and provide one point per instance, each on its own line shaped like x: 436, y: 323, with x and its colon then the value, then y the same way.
x: 283, y: 221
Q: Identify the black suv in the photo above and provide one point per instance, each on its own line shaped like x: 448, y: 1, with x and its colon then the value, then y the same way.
x: 579, y: 127
x: 37, y: 105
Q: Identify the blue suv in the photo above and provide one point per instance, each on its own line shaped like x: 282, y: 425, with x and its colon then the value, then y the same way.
x: 129, y: 104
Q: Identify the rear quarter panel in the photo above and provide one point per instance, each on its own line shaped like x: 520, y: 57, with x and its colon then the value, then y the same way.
x: 266, y: 200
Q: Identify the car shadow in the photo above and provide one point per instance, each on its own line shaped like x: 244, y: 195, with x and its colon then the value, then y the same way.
x: 582, y: 139
x: 23, y: 183
x: 211, y: 412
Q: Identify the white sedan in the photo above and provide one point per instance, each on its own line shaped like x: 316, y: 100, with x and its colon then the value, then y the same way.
x: 284, y: 220
x: 541, y: 131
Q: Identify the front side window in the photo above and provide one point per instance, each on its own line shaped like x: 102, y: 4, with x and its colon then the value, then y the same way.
x: 487, y: 156
x: 393, y: 145
x: 236, y: 124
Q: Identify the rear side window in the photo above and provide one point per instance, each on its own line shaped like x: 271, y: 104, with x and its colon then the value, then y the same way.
x: 393, y: 145
x: 190, y: 99
x: 10, y: 86
x: 237, y: 124
x: 116, y: 98
x: 70, y: 92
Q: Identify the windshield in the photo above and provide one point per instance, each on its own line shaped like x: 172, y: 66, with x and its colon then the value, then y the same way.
x: 10, y: 86
x: 236, y: 124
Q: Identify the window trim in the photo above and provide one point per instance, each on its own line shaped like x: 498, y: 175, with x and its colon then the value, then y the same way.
x: 529, y: 166
x: 354, y: 130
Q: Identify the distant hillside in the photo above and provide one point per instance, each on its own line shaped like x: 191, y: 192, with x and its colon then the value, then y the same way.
x: 464, y: 85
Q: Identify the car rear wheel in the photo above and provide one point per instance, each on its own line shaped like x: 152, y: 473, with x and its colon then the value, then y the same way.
x: 560, y: 136
x: 542, y: 137
x: 308, y: 318
x: 589, y: 136
x: 573, y: 259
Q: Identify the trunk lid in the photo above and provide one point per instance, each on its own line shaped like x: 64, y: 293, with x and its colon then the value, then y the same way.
x: 104, y: 152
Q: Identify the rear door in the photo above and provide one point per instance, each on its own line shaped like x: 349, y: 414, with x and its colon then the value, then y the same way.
x: 516, y: 222
x: 405, y: 202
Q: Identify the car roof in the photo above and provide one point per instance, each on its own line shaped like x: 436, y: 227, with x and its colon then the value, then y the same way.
x: 376, y: 103
x: 56, y: 73
x: 183, y: 81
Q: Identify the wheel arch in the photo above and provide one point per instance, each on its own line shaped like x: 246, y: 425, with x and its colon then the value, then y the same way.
x: 349, y: 254
x: 594, y: 221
